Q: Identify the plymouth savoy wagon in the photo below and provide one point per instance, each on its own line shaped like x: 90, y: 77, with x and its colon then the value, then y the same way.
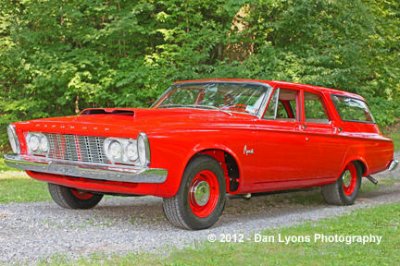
x: 204, y: 139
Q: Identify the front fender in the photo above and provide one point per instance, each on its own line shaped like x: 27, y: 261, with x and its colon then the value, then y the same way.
x: 173, y: 151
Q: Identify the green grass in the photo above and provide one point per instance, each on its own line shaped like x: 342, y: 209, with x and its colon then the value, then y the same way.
x: 382, y: 221
x: 396, y: 140
x: 3, y: 166
x: 18, y: 187
x: 367, y: 186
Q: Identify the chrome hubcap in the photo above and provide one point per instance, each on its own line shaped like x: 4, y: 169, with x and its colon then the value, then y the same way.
x: 201, y: 192
x: 346, y: 177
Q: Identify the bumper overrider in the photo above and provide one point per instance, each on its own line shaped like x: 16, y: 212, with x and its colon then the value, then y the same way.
x: 393, y: 165
x: 120, y: 173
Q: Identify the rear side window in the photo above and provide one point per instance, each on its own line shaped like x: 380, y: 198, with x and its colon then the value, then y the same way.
x: 314, y: 108
x: 351, y: 109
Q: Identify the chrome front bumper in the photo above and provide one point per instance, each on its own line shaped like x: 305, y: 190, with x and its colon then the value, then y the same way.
x: 121, y: 173
x: 393, y: 165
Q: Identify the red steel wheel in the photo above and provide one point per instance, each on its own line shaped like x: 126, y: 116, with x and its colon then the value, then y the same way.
x: 82, y: 195
x: 203, y: 193
x: 72, y: 198
x: 349, y: 179
x: 345, y: 190
x: 201, y: 197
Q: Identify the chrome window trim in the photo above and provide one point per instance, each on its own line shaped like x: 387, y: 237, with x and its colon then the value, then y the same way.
x: 277, y: 102
x: 278, y: 91
x: 265, y: 101
x: 162, y: 96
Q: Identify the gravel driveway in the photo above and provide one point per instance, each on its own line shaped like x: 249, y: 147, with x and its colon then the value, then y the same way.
x: 34, y: 231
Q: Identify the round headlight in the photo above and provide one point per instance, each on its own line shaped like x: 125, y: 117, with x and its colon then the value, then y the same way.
x: 33, y: 142
x: 115, y: 150
x: 13, y: 139
x: 131, y: 151
x: 44, y: 144
x: 143, y: 149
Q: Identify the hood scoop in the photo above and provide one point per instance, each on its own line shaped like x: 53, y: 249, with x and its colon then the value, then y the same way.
x: 108, y: 111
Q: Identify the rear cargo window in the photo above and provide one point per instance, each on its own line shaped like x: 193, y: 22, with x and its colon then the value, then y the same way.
x: 351, y: 109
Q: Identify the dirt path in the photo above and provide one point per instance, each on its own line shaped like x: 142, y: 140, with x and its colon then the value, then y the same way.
x: 34, y: 231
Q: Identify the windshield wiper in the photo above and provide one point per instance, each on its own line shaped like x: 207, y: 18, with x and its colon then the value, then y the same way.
x: 199, y: 106
x: 171, y: 105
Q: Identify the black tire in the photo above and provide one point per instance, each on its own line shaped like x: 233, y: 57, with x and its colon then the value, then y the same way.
x: 65, y: 197
x: 336, y: 193
x: 179, y: 209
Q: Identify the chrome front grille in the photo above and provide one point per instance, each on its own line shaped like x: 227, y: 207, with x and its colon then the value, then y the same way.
x: 77, y: 148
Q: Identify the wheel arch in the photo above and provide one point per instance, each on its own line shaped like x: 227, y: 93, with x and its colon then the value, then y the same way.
x: 359, y: 160
x: 227, y: 159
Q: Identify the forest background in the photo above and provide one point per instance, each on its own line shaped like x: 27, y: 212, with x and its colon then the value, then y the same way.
x: 59, y: 57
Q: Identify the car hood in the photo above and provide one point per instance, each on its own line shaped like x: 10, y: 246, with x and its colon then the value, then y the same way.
x: 125, y: 121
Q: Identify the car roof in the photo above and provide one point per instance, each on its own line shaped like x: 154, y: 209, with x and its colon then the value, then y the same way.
x: 277, y: 84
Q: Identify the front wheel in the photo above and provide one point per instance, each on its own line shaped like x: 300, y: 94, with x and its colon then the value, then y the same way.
x: 71, y: 198
x: 201, y: 197
x: 345, y: 190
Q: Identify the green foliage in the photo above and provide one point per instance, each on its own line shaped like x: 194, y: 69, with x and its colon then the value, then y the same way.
x: 58, y: 57
x: 396, y: 140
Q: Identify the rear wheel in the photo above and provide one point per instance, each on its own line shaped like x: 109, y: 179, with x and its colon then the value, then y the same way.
x: 71, y: 198
x: 345, y: 190
x: 201, y: 197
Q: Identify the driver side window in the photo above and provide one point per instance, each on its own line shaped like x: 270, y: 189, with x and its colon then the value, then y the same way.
x: 283, y: 105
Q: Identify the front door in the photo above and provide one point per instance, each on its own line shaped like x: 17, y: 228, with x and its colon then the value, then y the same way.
x: 280, y: 146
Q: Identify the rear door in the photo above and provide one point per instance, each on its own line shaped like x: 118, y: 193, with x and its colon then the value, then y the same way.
x: 322, y: 147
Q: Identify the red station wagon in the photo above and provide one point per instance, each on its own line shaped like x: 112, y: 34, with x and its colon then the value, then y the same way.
x: 204, y: 139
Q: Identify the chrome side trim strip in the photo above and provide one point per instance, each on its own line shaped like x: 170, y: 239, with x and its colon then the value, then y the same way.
x: 120, y: 173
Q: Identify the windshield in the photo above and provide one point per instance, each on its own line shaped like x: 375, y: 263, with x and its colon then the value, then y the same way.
x: 237, y: 97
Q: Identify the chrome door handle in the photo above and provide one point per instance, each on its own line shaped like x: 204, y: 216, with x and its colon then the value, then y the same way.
x: 338, y: 129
